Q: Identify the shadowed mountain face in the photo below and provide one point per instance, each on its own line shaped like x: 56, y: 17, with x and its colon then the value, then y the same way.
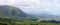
x: 11, y: 12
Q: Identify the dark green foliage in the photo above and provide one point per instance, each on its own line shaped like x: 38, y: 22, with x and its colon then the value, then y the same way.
x: 4, y: 21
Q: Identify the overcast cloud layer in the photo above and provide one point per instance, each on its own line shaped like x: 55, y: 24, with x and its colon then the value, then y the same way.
x: 35, y: 6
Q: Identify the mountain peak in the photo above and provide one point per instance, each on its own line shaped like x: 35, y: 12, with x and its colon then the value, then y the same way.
x: 12, y: 12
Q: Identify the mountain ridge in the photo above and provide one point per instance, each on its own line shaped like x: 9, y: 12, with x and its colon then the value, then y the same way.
x: 11, y: 12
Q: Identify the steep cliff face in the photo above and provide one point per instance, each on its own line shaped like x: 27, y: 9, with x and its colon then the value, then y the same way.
x: 11, y: 12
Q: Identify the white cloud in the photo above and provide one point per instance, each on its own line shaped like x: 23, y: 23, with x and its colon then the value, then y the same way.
x: 37, y: 6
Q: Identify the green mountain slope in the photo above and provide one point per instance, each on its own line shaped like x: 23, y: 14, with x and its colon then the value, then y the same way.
x: 11, y: 12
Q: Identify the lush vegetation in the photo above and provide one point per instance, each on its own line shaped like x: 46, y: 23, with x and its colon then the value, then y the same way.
x: 5, y: 21
x: 20, y: 22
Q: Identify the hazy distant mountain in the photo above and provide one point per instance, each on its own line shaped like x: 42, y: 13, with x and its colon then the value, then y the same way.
x: 46, y: 17
x: 11, y: 12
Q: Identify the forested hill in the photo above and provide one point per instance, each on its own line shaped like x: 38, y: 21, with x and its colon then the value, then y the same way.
x: 11, y: 12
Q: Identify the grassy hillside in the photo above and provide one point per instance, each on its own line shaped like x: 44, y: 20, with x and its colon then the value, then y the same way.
x: 11, y: 12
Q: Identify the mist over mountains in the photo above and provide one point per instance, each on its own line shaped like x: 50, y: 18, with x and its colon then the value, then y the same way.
x: 10, y: 12
x: 46, y: 16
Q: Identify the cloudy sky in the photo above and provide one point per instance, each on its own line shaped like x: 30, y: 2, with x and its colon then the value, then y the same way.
x: 35, y: 6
